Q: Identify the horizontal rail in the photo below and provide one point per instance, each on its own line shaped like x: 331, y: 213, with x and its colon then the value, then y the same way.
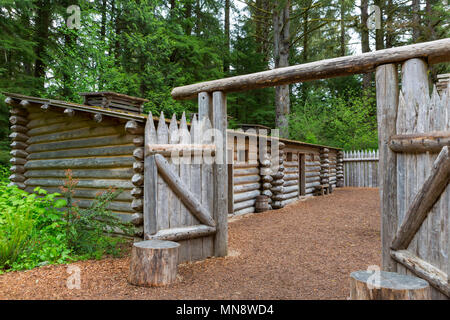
x: 435, y: 51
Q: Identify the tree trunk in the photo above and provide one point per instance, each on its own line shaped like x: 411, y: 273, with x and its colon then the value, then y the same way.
x: 153, y: 263
x: 226, y: 60
x: 382, y: 285
x: 281, y: 54
x: 379, y: 33
x: 342, y: 25
x: 42, y: 23
x: 365, y: 46
x: 415, y: 20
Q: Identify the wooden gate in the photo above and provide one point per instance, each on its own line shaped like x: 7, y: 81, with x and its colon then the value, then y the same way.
x: 414, y: 135
x: 179, y: 185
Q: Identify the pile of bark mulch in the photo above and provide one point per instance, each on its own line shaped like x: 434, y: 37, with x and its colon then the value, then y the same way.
x: 306, y: 250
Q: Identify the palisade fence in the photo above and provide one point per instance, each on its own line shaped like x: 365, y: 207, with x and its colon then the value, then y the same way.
x: 361, y: 168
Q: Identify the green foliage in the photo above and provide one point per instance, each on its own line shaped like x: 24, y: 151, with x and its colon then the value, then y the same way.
x: 41, y: 228
x: 347, y: 120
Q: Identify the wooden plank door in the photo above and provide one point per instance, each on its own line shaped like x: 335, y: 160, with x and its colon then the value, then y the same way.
x: 179, y: 186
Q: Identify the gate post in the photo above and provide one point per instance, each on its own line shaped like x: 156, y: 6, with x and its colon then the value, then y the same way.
x: 387, y: 106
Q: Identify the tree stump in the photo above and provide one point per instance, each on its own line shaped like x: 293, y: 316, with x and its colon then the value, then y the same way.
x: 153, y: 263
x: 382, y: 285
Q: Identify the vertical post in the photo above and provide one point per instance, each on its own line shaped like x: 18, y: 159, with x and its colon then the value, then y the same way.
x: 219, y: 116
x: 387, y: 105
x: 301, y: 174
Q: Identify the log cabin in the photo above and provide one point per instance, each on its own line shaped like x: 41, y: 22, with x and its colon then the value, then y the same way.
x: 102, y: 142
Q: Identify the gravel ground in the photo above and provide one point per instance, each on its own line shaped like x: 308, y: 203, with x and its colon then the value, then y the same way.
x: 306, y: 250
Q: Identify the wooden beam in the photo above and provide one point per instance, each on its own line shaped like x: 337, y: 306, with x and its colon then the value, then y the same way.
x: 183, y: 191
x: 424, y: 200
x: 420, y: 142
x: 438, y: 51
x: 182, y: 233
x: 219, y: 121
x: 437, y: 278
x: 387, y: 105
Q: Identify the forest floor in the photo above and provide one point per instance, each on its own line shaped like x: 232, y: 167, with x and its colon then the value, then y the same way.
x: 306, y: 250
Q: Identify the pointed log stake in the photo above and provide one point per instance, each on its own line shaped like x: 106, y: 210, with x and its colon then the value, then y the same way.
x: 183, y: 192
x: 424, y: 200
x: 150, y: 179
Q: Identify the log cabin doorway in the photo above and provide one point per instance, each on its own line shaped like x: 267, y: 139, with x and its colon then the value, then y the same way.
x: 301, y: 175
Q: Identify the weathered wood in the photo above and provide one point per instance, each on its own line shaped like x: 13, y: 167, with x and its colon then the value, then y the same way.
x: 424, y: 200
x: 97, y: 183
x: 18, y: 153
x: 137, y: 192
x: 183, y: 233
x: 87, y: 193
x: 133, y: 127
x: 382, y: 285
x: 18, y: 145
x: 45, y: 107
x: 153, y: 263
x: 138, y: 154
x: 87, y: 142
x: 387, y: 105
x: 420, y: 142
x: 19, y: 128
x: 246, y: 195
x: 246, y: 187
x: 116, y: 162
x: 220, y: 174
x: 69, y: 112
x: 137, y: 205
x: 137, y: 179
x: 17, y: 169
x: 246, y: 179
x: 84, y: 152
x: 77, y: 134
x: 98, y: 117
x: 17, y: 177
x: 328, y: 68
x: 423, y: 269
x: 18, y: 161
x: 138, y: 167
x: 119, y: 173
x: 244, y: 204
x: 183, y: 192
x: 17, y: 136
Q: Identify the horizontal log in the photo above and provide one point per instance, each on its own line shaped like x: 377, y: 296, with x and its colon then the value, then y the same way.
x: 18, y: 161
x: 289, y: 189
x: 183, y: 192
x: 19, y: 128
x: 246, y: 196
x: 245, y: 171
x: 18, y: 111
x: 290, y: 163
x: 312, y: 184
x: 137, y: 179
x: 138, y: 153
x: 138, y: 167
x: 18, y: 145
x: 179, y: 149
x: 246, y: 187
x: 17, y: 169
x: 265, y: 171
x: 84, y: 152
x: 290, y: 183
x: 239, y: 165
x: 278, y: 182
x: 291, y: 170
x: 437, y: 278
x: 267, y: 179
x: 267, y: 193
x: 137, y: 205
x: 329, y: 68
x: 266, y: 185
x: 17, y: 136
x: 60, y: 127
x: 76, y: 134
x: 18, y: 153
x: 288, y: 201
x: 293, y: 176
x: 18, y: 120
x: 246, y: 179
x: 139, y: 141
x: 19, y: 185
x: 420, y: 142
x: 424, y: 200
x: 137, y: 192
x: 244, y: 204
x: 87, y: 142
x: 98, y: 117
x: 113, y: 205
x: 277, y: 189
x: 132, y: 127
x: 244, y: 211
x: 86, y: 193
x: 124, y: 173
x: 16, y: 177
x: 116, y: 162
x: 97, y: 183
x: 183, y: 233
x: 312, y: 174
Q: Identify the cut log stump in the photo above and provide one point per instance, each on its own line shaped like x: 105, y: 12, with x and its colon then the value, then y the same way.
x: 383, y: 285
x: 153, y: 263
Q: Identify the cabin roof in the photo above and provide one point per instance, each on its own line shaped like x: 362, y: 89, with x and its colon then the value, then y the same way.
x: 128, y: 115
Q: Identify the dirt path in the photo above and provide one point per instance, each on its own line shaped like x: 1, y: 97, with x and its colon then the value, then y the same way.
x: 303, y: 251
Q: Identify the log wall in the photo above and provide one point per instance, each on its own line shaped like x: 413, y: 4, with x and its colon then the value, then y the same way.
x: 100, y: 155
